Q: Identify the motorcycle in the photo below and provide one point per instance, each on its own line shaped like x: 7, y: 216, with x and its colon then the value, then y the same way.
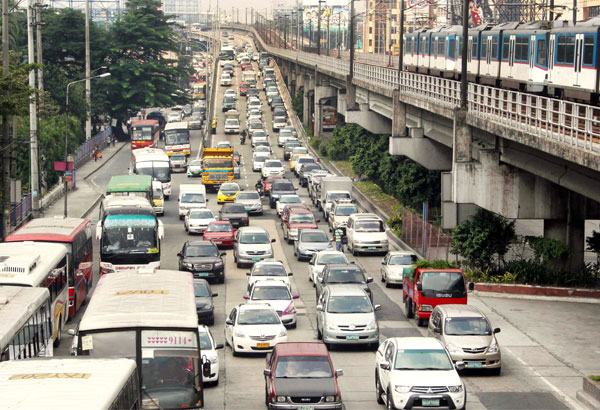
x: 243, y: 137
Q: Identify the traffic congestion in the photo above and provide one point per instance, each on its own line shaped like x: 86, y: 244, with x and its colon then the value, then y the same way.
x: 229, y: 267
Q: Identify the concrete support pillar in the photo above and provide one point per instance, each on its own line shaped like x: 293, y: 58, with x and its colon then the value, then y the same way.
x: 307, y: 112
x: 399, y: 116
x: 350, y: 94
x: 322, y: 92
x: 463, y: 137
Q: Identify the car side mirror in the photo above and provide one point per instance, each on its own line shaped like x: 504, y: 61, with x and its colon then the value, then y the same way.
x: 377, y: 307
x: 223, y: 253
x: 214, y: 295
x: 296, y: 296
x: 180, y: 254
x: 369, y: 280
x: 497, y: 330
x: 460, y: 365
x: 219, y: 346
x: 247, y: 273
x: 229, y: 322
x: 246, y: 297
x: 383, y: 261
x: 267, y: 372
x: 384, y: 365
x: 437, y: 330
x: 320, y: 308
x: 471, y: 286
x: 71, y: 332
x: 419, y: 287
x: 273, y: 240
x: 339, y: 372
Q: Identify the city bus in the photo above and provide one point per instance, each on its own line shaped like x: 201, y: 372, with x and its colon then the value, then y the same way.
x: 130, y: 185
x: 145, y: 133
x: 40, y: 265
x: 148, y: 315
x: 69, y: 384
x: 155, y: 163
x: 76, y: 233
x: 26, y: 323
x: 177, y: 138
x: 329, y: 115
x: 130, y: 234
x: 199, y: 91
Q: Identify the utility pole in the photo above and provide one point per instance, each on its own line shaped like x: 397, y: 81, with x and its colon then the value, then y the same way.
x: 401, y: 40
x: 88, y: 83
x: 464, y: 83
x: 351, y: 68
x: 574, y: 12
x: 319, y: 28
x: 5, y: 130
x: 328, y: 35
x: 38, y: 37
x: 35, y: 176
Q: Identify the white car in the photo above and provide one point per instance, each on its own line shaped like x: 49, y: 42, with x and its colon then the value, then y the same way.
x: 225, y: 80
x: 251, y: 201
x: 262, y: 148
x: 284, y: 136
x: 279, y: 123
x: 268, y: 270
x: 417, y: 369
x: 258, y: 137
x: 320, y: 259
x: 393, y: 264
x: 255, y: 117
x: 258, y: 159
x: 196, y: 220
x: 254, y: 328
x: 271, y: 92
x: 285, y: 200
x: 366, y: 233
x: 272, y: 167
x: 209, y: 350
x: 174, y: 116
x: 251, y: 244
x: 229, y: 93
x: 254, y: 103
x: 254, y: 112
x: 224, y: 144
x: 277, y: 294
x: 232, y: 126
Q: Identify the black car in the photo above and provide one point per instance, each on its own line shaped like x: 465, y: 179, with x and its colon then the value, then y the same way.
x: 228, y: 104
x: 280, y: 187
x: 236, y: 214
x: 203, y: 259
x: 288, y: 147
x: 306, y: 168
x: 204, y: 302
x: 277, y: 102
x: 252, y: 92
x: 280, y: 112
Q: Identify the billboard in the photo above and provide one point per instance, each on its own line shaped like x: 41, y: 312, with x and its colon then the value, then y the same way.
x: 337, y: 16
x: 479, y: 12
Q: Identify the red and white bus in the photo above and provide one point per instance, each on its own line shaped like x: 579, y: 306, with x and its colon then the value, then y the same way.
x: 145, y: 133
x: 77, y: 235
x: 329, y: 115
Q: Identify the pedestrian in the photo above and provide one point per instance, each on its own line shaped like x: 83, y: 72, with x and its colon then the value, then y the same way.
x: 96, y: 153
x: 339, y: 237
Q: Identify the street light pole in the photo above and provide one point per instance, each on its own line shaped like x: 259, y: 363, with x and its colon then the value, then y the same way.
x: 351, y: 68
x: 67, y: 133
x: 319, y: 28
x: 463, y: 71
x: 400, y: 40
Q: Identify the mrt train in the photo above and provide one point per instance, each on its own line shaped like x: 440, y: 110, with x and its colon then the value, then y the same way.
x: 556, y: 58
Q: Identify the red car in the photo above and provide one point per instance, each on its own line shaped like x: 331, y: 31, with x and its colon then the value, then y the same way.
x: 299, y: 373
x: 268, y: 182
x: 244, y: 86
x: 246, y: 66
x: 295, y: 218
x: 220, y: 232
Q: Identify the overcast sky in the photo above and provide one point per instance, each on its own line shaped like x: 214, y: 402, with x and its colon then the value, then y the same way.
x: 259, y: 5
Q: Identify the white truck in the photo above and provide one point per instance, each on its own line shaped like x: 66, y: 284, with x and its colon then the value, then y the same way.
x: 333, y: 188
x: 232, y: 122
x: 191, y: 196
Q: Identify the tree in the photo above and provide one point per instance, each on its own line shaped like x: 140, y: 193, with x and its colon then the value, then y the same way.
x: 482, y: 237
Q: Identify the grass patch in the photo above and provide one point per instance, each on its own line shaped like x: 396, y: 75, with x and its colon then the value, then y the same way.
x: 387, y: 203
x: 345, y: 168
x: 595, y: 378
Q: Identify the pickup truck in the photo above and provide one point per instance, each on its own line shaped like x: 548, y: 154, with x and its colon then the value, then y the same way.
x: 425, y: 288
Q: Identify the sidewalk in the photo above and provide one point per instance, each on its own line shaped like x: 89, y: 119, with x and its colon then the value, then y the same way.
x: 84, y: 197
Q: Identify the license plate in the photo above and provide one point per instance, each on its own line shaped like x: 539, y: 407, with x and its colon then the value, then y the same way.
x: 256, y: 259
x: 217, y: 242
x: 259, y: 345
x: 203, y: 274
x: 474, y: 365
x: 306, y: 408
x: 372, y: 248
x: 430, y: 402
x: 352, y: 337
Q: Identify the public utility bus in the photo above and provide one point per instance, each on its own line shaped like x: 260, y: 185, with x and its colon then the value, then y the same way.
x: 76, y: 233
x: 130, y: 234
x: 330, y: 120
x: 177, y: 138
x: 26, y: 323
x: 155, y: 163
x: 148, y: 315
x: 145, y: 133
x: 130, y: 185
x: 70, y: 383
x: 40, y: 265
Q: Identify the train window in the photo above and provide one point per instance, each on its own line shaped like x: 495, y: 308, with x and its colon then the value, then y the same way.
x: 424, y: 46
x: 541, y: 53
x: 484, y: 50
x: 588, y: 50
x: 474, y: 48
x: 522, y: 49
x: 443, y: 46
x: 452, y: 48
x: 495, y: 47
x: 565, y: 49
x: 505, y: 47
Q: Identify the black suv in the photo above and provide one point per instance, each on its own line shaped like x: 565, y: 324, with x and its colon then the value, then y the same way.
x: 203, y: 259
x: 280, y: 187
x: 236, y: 214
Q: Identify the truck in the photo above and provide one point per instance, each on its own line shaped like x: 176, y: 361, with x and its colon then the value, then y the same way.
x: 191, y: 196
x: 232, y: 122
x: 217, y: 167
x: 333, y: 188
x: 425, y: 288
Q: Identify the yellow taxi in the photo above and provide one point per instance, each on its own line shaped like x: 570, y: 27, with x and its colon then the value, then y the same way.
x: 228, y: 192
x: 297, y: 153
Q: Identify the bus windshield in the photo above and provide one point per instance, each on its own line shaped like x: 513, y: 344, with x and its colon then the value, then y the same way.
x: 177, y: 137
x: 130, y: 234
x: 159, y: 170
x: 142, y: 133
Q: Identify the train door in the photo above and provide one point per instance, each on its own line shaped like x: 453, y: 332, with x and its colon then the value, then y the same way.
x: 551, y: 57
x: 578, y: 59
x: 511, y: 55
x: 531, y: 57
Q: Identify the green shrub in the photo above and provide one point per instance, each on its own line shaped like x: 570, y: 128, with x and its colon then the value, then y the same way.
x: 395, y: 224
x: 547, y: 249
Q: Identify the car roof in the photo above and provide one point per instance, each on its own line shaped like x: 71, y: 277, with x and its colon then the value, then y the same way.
x: 268, y: 262
x: 219, y: 223
x: 364, y: 215
x: 353, y: 266
x: 271, y: 283
x: 296, y: 209
x: 202, y: 281
x: 200, y: 243
x: 255, y: 306
x: 311, y: 231
x: 401, y: 253
x: 252, y: 229
x: 346, y: 290
x: 461, y: 311
x: 301, y: 349
x: 424, y: 343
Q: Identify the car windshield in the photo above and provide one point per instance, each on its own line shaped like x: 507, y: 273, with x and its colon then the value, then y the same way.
x: 422, y: 360
x: 248, y: 195
x: 467, y: 326
x: 369, y: 226
x: 205, y: 343
x: 290, y: 200
x: 232, y: 122
x: 262, y: 148
x: 402, y: 260
x: 349, y: 304
x: 329, y: 258
x: 233, y: 209
x: 201, y: 290
x: 346, y: 276
x: 219, y: 228
x: 229, y: 100
x: 201, y: 250
x: 291, y: 146
x: 201, y: 214
x: 286, y: 134
x: 193, y: 198
x: 300, y: 150
x: 345, y: 210
x: 196, y: 163
x: 271, y: 293
x: 254, y: 238
x: 295, y: 367
x: 255, y: 125
x: 258, y: 317
x: 314, y: 237
x: 285, y: 186
x: 177, y: 158
x: 269, y: 270
x: 273, y: 164
x: 443, y: 281
x: 230, y: 188
x: 302, y: 218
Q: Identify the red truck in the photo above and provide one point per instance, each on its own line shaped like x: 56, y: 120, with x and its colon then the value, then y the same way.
x: 423, y: 289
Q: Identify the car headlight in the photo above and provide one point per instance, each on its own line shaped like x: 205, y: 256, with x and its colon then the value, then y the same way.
x: 238, y: 333
x: 280, y: 399
x: 401, y: 389
x: 294, y: 231
x: 453, y: 348
x: 331, y: 326
x: 455, y: 389
x: 384, y: 241
x: 283, y: 333
x: 331, y: 399
x: 213, y: 359
x: 493, y: 348
x: 219, y: 263
x: 372, y: 325
x: 188, y: 265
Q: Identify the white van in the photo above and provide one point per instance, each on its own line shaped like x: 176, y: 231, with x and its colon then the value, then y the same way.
x: 191, y: 196
x: 225, y: 79
x: 366, y: 233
